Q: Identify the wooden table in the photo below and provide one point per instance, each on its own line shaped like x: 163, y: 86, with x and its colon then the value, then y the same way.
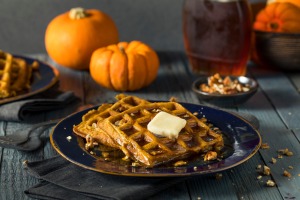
x: 276, y: 105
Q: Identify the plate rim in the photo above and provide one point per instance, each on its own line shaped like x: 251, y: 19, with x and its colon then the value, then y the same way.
x: 53, y: 81
x: 253, y: 151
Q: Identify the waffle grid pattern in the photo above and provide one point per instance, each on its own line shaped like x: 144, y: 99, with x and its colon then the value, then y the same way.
x: 125, y: 124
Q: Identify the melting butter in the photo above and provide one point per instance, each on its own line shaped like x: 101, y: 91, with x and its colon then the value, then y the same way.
x: 166, y: 125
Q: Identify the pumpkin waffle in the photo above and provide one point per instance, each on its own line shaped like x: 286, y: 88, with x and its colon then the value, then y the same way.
x: 123, y: 125
x: 15, y: 75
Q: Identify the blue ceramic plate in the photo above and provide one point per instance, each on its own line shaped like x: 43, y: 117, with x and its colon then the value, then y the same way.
x: 43, y: 79
x: 242, y: 141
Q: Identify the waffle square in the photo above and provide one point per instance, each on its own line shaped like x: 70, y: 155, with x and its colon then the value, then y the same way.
x: 123, y: 125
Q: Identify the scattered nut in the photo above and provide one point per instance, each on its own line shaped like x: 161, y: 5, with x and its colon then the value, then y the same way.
x: 210, y: 155
x: 265, y: 146
x: 270, y: 183
x: 258, y: 167
x: 285, y: 151
x: 180, y: 163
x: 69, y: 138
x: 287, y: 174
x: 267, y: 170
x: 216, y: 84
x: 273, y: 160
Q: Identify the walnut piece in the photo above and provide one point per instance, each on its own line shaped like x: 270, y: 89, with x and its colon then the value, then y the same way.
x: 270, y: 183
x: 217, y: 85
x: 267, y: 170
x: 210, y: 155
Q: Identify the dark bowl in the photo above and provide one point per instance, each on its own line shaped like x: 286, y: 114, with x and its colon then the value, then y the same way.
x: 278, y: 50
x: 225, y: 99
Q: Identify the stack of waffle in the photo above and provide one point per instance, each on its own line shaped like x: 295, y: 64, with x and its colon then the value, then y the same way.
x: 15, y: 75
x: 123, y: 125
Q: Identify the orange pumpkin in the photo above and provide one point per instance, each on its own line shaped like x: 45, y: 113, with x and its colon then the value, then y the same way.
x: 295, y: 2
x: 71, y: 37
x: 278, y: 17
x: 124, y: 66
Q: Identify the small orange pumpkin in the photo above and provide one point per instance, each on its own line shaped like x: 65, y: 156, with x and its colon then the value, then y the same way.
x: 71, y: 37
x: 124, y: 66
x: 278, y: 17
x: 295, y: 2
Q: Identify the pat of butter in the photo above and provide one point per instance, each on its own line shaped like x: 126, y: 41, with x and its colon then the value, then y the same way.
x: 166, y: 125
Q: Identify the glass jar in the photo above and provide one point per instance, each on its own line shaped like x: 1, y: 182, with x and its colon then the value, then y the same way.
x: 217, y: 35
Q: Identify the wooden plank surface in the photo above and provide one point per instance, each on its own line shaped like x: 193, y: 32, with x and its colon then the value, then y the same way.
x: 278, y: 128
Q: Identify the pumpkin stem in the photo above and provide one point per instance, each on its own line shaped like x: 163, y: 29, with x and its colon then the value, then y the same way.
x: 122, y: 49
x: 274, y: 26
x: 77, y: 13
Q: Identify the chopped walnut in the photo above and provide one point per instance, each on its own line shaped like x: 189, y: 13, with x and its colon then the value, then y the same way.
x: 210, y: 155
x: 270, y: 183
x: 216, y: 84
x: 265, y: 146
x: 267, y: 170
x: 258, y: 167
x: 69, y: 138
x: 285, y: 151
x: 287, y: 174
x: 180, y: 163
x: 273, y: 160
